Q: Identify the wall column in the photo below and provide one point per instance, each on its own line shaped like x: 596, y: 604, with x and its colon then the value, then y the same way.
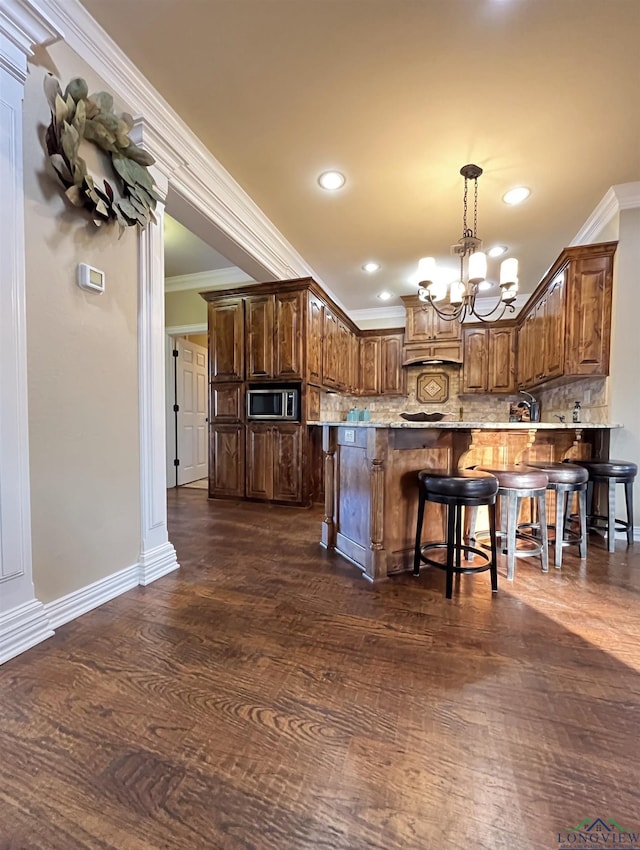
x: 23, y: 622
x: 157, y: 554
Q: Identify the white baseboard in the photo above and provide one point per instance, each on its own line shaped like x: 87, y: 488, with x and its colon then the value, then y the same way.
x: 22, y: 628
x: 157, y: 563
x: 78, y: 602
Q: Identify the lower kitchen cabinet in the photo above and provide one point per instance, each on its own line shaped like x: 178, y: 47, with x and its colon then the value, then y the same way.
x: 226, y: 460
x: 275, y: 462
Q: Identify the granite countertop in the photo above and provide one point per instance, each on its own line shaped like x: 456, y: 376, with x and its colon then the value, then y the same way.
x: 484, y: 426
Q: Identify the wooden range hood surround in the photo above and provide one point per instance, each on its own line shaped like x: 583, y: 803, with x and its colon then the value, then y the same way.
x: 427, y: 337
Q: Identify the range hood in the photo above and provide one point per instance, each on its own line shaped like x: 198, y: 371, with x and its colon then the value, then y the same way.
x: 414, y: 354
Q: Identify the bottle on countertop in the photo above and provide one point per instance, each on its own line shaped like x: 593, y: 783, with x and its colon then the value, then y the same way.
x: 576, y: 412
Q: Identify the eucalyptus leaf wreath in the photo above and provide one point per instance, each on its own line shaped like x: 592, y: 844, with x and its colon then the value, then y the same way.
x: 77, y: 115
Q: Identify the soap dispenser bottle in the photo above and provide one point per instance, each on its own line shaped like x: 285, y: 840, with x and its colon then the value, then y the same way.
x: 576, y: 412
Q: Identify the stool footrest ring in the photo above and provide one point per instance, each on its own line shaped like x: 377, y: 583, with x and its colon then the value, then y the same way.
x: 486, y: 565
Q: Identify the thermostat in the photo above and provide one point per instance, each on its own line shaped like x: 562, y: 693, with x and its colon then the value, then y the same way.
x: 90, y: 278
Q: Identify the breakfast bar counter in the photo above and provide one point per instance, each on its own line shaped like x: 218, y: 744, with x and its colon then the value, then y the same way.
x: 370, y: 476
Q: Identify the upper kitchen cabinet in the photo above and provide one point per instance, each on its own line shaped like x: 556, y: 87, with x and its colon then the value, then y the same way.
x: 380, y: 359
x: 489, y: 359
x: 428, y: 336
x: 273, y: 333
x: 226, y: 339
x: 315, y: 331
x: 565, y: 329
x: 425, y: 325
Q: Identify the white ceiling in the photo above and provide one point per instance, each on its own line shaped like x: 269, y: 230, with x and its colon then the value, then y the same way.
x: 399, y: 94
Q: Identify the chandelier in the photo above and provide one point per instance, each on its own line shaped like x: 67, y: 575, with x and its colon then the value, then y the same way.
x: 463, y: 293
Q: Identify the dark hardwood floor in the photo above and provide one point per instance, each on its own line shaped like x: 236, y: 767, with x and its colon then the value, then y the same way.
x: 265, y: 696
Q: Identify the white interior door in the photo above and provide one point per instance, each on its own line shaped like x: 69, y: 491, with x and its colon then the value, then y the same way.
x: 191, y: 399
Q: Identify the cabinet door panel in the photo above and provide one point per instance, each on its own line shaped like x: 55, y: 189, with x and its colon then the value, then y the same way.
x: 259, y: 461
x: 289, y: 314
x: 444, y: 330
x: 315, y: 325
x: 287, y: 472
x: 369, y: 365
x: 329, y: 350
x: 554, y: 329
x: 392, y: 377
x: 589, y: 317
x: 259, y: 310
x: 227, y: 402
x: 226, y: 460
x: 501, y: 374
x: 226, y: 340
x: 476, y: 359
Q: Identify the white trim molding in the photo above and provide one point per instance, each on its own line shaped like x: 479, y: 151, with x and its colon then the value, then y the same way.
x: 214, y: 279
x: 23, y: 622
x: 22, y: 628
x: 157, y: 554
x: 85, y: 599
x: 187, y: 330
x: 623, y: 196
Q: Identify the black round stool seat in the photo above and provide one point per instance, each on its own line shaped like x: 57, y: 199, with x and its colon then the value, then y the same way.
x: 561, y: 473
x: 608, y: 473
x: 514, y: 477
x: 622, y: 470
x: 467, y: 484
x: 457, y: 490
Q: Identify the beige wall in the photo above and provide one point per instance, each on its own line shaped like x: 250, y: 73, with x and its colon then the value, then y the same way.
x: 82, y: 373
x: 185, y: 308
x: 624, y: 396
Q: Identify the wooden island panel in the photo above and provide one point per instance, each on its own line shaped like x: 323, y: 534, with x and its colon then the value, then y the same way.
x: 371, y: 492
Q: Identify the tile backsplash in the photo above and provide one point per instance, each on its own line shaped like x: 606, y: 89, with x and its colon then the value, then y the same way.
x: 591, y: 392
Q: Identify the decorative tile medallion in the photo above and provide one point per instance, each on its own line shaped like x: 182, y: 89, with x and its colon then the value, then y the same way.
x: 433, y: 387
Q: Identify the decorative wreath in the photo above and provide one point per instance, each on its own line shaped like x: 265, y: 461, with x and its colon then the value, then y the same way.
x: 76, y: 115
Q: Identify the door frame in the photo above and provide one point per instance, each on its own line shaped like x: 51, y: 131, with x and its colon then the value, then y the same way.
x: 172, y: 331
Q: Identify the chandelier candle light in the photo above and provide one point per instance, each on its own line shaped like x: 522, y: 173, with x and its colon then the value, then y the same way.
x: 463, y: 294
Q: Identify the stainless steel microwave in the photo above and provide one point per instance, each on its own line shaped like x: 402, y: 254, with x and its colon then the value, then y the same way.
x: 273, y: 403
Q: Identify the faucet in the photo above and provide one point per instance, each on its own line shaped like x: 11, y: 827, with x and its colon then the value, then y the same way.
x: 534, y: 406
x: 560, y: 417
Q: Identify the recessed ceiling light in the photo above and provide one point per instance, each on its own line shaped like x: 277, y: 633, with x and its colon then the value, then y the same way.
x: 516, y: 196
x: 497, y: 250
x: 331, y: 180
x: 385, y: 295
x: 371, y: 267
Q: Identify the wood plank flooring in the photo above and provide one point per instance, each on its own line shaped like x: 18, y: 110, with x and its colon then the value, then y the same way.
x: 266, y: 697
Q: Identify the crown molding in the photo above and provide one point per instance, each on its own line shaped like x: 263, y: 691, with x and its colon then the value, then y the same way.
x: 196, y: 175
x: 623, y: 196
x: 214, y: 279
x: 377, y: 313
x: 26, y: 24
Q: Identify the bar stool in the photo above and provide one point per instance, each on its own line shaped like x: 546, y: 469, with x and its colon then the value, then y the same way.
x: 516, y: 483
x: 610, y: 472
x: 456, y: 490
x: 566, y: 478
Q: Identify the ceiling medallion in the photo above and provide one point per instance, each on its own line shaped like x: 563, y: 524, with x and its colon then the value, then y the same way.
x: 76, y: 116
x: 462, y: 293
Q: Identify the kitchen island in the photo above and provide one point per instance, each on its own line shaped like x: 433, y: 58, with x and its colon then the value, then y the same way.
x: 370, y: 476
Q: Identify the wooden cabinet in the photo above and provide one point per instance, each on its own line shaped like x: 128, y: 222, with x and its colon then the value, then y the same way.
x: 226, y: 340
x: 565, y: 332
x: 274, y: 462
x: 226, y: 460
x: 489, y: 359
x: 259, y: 354
x: 315, y: 332
x: 380, y: 360
x: 273, y: 334
x: 588, y: 315
x: 425, y: 325
x: 427, y: 336
x: 226, y: 402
